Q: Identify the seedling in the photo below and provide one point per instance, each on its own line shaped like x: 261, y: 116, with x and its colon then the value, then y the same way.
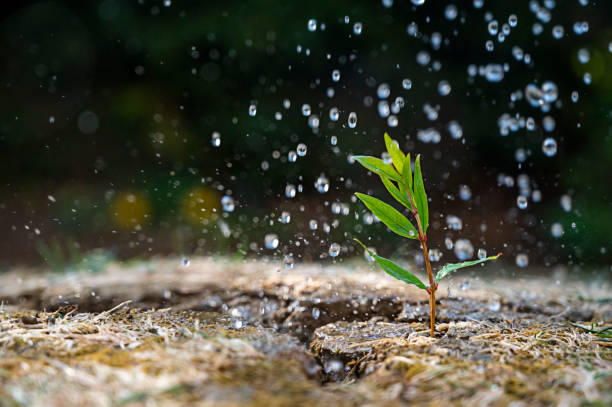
x: 408, y: 189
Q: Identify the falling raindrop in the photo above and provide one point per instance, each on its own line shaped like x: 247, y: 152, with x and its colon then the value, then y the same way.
x: 352, y: 120
x: 322, y: 184
x: 301, y: 149
x: 482, y: 253
x: 334, y: 250
x: 549, y: 146
x: 252, y: 110
x: 312, y: 25
x: 335, y: 75
x: 556, y: 230
x: 292, y: 156
x: 521, y: 202
x: 357, y: 28
x: 227, y: 202
x: 288, y: 261
x: 566, y: 203
x: 463, y: 249
x: 271, y: 241
x: 313, y: 224
x: 522, y: 260
x: 406, y: 84
x: 216, y: 139
x: 290, y: 191
x: 285, y: 217
x: 306, y: 109
x: 444, y: 88
x: 334, y: 114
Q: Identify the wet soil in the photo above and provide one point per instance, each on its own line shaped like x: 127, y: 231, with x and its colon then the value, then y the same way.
x: 228, y: 333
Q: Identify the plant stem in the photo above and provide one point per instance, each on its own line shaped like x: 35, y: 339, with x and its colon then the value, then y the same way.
x: 432, y: 285
x: 432, y: 288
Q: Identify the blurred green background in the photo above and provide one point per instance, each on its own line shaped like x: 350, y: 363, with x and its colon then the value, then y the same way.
x: 108, y: 107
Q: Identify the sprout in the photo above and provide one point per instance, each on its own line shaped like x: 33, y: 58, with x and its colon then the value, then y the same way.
x: 408, y: 189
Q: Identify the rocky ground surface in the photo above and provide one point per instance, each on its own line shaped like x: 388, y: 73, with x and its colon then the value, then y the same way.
x: 244, y: 333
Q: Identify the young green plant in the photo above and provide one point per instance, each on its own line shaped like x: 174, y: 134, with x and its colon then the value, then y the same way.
x: 408, y: 189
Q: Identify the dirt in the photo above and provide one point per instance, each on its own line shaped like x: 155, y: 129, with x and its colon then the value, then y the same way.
x: 235, y: 333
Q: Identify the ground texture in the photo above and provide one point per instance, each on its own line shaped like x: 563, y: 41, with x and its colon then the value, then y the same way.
x: 234, y: 333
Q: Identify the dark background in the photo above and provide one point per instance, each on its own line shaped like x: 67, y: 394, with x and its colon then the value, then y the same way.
x: 107, y: 110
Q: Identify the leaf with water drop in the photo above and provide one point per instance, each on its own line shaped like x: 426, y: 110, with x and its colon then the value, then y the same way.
x: 396, y: 154
x: 420, y: 197
x: 394, y: 270
x: 388, y: 215
x: 378, y: 166
x: 449, y: 268
x: 396, y: 192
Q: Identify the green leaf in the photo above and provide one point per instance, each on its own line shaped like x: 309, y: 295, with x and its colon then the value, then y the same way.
x: 396, y: 154
x: 420, y: 198
x: 388, y: 215
x: 449, y: 268
x: 394, y: 270
x: 407, y: 172
x: 395, y: 192
x: 378, y: 166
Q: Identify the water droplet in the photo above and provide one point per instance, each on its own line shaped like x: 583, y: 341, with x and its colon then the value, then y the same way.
x: 455, y: 129
x: 288, y: 261
x: 316, y: 313
x: 448, y: 242
x: 322, y: 184
x: 558, y: 32
x: 291, y: 156
x: 185, y: 262
x: 252, y: 110
x: 335, y: 75
x: 444, y: 88
x: 357, y: 28
x: 493, y: 27
x: 352, y: 120
x: 313, y: 224
x: 454, y: 222
x: 301, y: 149
x: 463, y: 249
x: 566, y: 202
x: 334, y: 250
x: 334, y: 114
x: 549, y: 146
x: 306, y: 109
x: 482, y: 253
x: 583, y: 55
x: 238, y: 324
x: 522, y: 260
x: 465, y: 193
x: 216, y: 139
x: 407, y: 84
x: 312, y: 25
x: 290, y: 191
x: 494, y: 306
x: 556, y: 230
x: 512, y: 20
x: 271, y: 241
x: 521, y: 202
x: 450, y: 12
x: 285, y: 217
x: 489, y: 46
x: 227, y: 202
x: 575, y: 96
x: 494, y: 72
x: 383, y: 91
x: 418, y: 2
x: 549, y: 91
